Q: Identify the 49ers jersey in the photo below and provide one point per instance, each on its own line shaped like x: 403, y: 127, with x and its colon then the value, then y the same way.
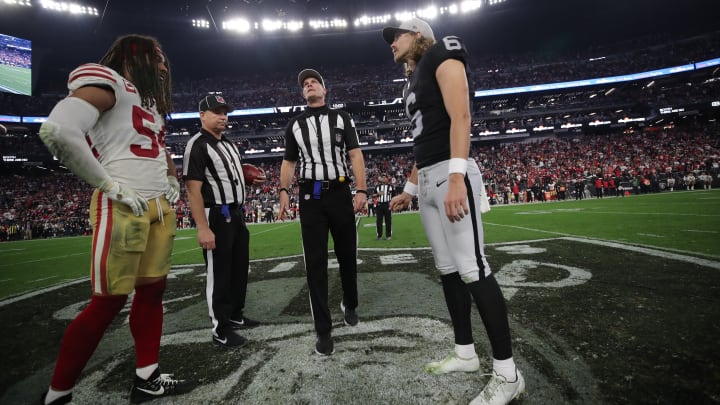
x: 424, y: 103
x: 128, y: 139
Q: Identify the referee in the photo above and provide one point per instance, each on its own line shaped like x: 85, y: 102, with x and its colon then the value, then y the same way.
x: 322, y: 139
x: 216, y: 190
x: 384, y: 193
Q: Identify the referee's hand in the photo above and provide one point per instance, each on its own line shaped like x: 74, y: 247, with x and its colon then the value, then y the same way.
x: 359, y: 202
x: 206, y: 239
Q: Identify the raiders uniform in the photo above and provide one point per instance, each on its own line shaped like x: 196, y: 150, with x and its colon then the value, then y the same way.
x: 129, y: 141
x: 459, y: 247
x: 129, y: 132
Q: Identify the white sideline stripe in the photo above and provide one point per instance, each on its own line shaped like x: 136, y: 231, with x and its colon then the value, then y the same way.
x: 676, y: 214
x: 652, y: 235
x: 44, y: 259
x: 41, y: 291
x: 12, y: 250
x: 40, y: 279
x: 652, y: 251
x: 583, y: 238
x: 699, y: 231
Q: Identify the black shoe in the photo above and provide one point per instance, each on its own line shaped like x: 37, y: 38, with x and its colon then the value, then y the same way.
x: 157, y: 386
x: 349, y: 315
x: 324, y: 345
x: 243, y: 323
x: 65, y: 399
x: 228, y: 339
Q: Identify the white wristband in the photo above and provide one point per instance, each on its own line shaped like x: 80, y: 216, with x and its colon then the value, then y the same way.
x: 457, y: 165
x: 410, y: 188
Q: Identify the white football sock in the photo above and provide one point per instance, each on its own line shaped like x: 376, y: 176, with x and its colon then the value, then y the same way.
x: 465, y: 351
x: 506, y: 368
x: 55, y: 394
x: 146, y: 372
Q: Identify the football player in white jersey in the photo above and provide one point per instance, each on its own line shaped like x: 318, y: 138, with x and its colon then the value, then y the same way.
x: 451, y: 198
x: 109, y: 131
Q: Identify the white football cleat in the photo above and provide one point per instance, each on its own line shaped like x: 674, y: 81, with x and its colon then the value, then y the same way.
x: 451, y: 364
x: 499, y: 391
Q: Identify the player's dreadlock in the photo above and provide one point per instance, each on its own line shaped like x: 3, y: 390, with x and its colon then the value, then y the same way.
x: 417, y: 50
x: 137, y: 55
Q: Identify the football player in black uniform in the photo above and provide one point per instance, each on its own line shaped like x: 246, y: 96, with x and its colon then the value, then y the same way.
x: 437, y: 101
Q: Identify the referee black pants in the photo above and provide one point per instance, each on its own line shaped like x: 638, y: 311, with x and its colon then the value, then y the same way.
x: 383, y: 214
x: 227, y: 268
x: 332, y: 212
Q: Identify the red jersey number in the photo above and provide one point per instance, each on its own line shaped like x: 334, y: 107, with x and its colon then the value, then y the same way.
x: 139, y: 118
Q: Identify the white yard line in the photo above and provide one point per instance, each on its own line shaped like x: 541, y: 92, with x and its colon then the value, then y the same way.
x: 44, y: 259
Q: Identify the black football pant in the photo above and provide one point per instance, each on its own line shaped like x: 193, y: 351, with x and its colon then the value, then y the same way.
x: 332, y: 212
x: 227, y: 267
x: 383, y: 213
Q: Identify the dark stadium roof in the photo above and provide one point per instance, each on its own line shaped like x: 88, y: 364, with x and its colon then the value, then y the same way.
x: 61, y: 42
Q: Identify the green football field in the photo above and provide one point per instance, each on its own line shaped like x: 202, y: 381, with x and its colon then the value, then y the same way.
x: 610, y: 301
x: 15, y: 80
x: 680, y: 222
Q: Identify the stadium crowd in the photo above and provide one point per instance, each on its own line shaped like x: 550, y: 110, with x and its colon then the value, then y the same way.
x: 53, y: 204
x: 38, y: 203
x: 375, y: 82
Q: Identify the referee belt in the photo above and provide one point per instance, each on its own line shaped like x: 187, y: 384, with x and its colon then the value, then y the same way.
x: 232, y: 206
x: 323, y: 184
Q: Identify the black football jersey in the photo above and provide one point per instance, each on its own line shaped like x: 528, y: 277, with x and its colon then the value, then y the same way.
x: 424, y: 103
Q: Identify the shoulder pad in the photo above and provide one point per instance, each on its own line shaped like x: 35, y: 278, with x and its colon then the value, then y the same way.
x: 93, y: 74
x: 449, y: 47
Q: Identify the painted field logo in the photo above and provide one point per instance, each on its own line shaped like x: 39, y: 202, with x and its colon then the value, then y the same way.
x: 567, y: 353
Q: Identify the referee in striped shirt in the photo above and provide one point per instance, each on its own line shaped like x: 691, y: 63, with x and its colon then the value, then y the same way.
x: 322, y: 139
x: 384, y: 193
x: 216, y: 189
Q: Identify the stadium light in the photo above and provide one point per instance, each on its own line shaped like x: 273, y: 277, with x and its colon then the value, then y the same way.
x: 200, y: 23
x: 374, y: 20
x: 25, y: 3
x: 468, y: 6
x: 69, y: 8
x: 428, y: 13
x: 271, y: 25
x: 327, y: 24
x: 238, y: 25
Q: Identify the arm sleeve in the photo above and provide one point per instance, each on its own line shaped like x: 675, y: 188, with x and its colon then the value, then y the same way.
x: 64, y: 135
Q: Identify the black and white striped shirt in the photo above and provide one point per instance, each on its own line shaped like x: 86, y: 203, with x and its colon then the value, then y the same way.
x: 384, y: 192
x: 217, y: 164
x: 320, y: 138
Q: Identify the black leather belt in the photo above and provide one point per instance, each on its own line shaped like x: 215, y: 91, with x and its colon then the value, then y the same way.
x: 232, y: 206
x: 324, y: 184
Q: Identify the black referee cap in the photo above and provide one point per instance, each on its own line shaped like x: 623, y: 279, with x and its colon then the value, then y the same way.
x: 214, y: 102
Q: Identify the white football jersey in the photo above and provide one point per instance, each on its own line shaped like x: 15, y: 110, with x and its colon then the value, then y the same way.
x: 128, y: 139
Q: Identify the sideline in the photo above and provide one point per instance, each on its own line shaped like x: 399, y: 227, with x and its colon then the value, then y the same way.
x: 677, y: 255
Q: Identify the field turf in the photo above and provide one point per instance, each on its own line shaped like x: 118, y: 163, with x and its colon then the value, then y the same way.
x: 611, y: 300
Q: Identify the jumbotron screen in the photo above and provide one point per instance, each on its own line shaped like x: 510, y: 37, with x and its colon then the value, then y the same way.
x: 15, y: 65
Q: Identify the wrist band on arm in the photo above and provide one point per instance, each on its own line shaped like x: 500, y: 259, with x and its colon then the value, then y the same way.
x: 361, y: 191
x: 457, y: 165
x: 283, y: 189
x: 410, y: 188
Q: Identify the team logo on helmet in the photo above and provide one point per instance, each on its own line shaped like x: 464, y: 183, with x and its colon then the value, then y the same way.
x: 220, y: 100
